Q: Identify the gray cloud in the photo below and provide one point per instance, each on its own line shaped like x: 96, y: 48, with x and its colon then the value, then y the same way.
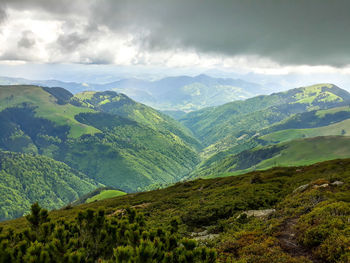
x: 103, y: 57
x: 14, y: 55
x: 71, y: 42
x: 3, y: 14
x: 290, y: 32
x: 313, y: 32
x: 27, y: 40
x: 62, y: 7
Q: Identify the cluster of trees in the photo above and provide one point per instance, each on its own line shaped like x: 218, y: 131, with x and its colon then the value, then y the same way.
x: 94, y: 237
x: 26, y: 178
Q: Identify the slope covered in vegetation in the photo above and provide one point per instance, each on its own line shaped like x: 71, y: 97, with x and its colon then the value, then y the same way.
x: 119, y: 104
x: 290, y: 153
x: 126, y: 153
x: 27, y: 178
x: 238, y: 118
x: 302, y: 217
x: 330, y: 122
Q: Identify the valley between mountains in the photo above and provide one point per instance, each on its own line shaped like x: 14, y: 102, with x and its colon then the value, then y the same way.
x: 264, y: 179
x: 106, y: 139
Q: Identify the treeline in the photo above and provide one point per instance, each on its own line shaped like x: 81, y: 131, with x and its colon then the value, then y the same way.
x: 93, y: 236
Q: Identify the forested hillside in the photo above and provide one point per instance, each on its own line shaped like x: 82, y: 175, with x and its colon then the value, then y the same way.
x: 28, y: 178
x: 113, y: 150
x: 120, y: 104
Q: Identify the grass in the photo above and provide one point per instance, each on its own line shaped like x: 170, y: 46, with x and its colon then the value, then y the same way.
x: 105, y: 195
x: 340, y: 128
x: 322, y: 113
x: 308, y: 151
x: 11, y: 96
x: 292, y: 153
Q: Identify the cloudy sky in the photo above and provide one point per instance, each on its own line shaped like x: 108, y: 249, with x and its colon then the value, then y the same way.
x: 272, y: 37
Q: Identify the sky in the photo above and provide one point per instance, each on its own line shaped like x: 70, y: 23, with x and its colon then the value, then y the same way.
x: 100, y: 40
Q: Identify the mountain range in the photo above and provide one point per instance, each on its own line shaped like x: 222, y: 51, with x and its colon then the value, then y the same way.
x: 109, y: 140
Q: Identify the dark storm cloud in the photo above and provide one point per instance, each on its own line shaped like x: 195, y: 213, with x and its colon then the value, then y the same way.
x: 290, y: 32
x: 287, y: 31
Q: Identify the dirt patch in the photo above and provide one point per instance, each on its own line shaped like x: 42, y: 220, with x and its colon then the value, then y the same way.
x: 122, y: 211
x: 140, y: 206
x: 288, y: 241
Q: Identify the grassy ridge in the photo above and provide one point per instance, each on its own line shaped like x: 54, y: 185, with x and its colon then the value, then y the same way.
x: 340, y: 128
x: 47, y: 107
x: 237, y: 118
x: 333, y: 121
x: 290, y: 153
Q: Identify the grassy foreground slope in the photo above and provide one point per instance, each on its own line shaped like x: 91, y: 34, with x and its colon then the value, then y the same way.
x: 27, y: 178
x: 114, y: 150
x: 307, y: 221
x: 291, y: 153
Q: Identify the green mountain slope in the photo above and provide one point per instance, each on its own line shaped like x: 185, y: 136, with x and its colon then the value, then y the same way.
x: 238, y: 118
x: 26, y: 178
x: 119, y: 104
x: 339, y: 128
x: 310, y: 119
x: 307, y: 220
x: 290, y: 153
x: 46, y: 106
x: 111, y: 149
x: 333, y: 121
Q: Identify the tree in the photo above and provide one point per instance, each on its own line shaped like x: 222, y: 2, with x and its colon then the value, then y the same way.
x: 37, y: 217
